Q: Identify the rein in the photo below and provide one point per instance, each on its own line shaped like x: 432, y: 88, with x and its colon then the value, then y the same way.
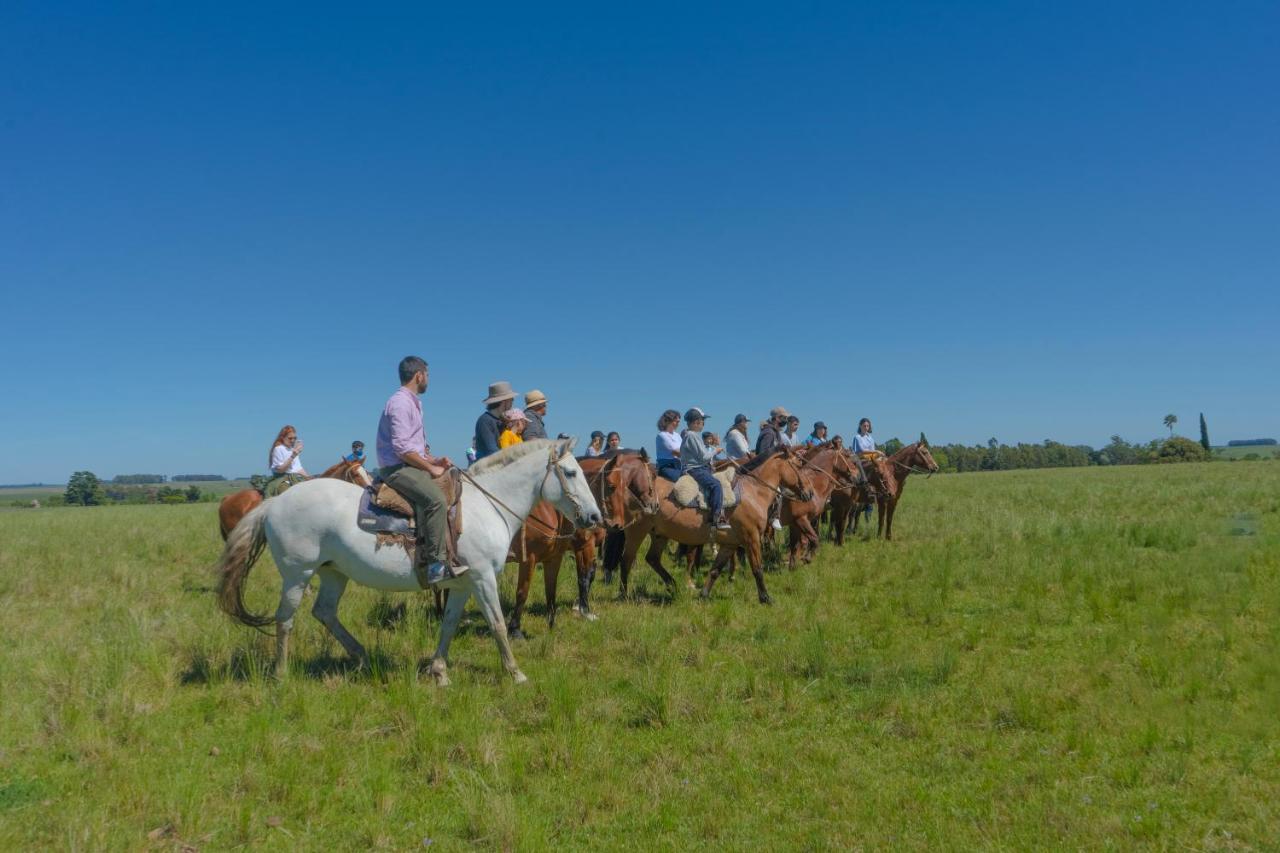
x: 778, y: 489
x: 499, y: 504
x: 927, y: 473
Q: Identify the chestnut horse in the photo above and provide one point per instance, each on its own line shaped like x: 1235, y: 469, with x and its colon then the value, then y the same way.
x: 893, y: 471
x: 845, y: 500
x: 779, y: 473
x: 828, y: 469
x: 622, y: 484
x: 237, y: 505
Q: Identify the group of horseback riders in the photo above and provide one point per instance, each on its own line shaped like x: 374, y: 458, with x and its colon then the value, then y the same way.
x: 406, y: 464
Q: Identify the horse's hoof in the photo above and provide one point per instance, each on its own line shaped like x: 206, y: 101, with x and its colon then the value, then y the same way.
x: 515, y: 633
x: 766, y: 599
x: 519, y: 677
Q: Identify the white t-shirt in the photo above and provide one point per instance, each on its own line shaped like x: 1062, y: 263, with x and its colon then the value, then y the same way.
x: 864, y: 443
x: 668, y: 445
x: 280, y: 456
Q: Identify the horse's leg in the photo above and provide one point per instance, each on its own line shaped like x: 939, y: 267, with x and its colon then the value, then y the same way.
x: 441, y: 598
x: 290, y: 597
x: 793, y: 542
x: 724, y: 556
x: 811, y: 539
x: 585, y: 561
x: 485, y: 588
x: 654, y: 558
x: 881, y: 503
x: 630, y: 548
x: 888, y: 521
x: 454, y: 605
x: 332, y: 584
x: 551, y: 577
x: 755, y: 557
x: 527, y: 566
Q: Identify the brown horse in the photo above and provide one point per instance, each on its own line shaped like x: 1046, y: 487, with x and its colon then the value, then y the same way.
x: 237, y: 505
x: 845, y: 500
x: 778, y: 473
x: 828, y: 469
x: 894, y: 470
x: 622, y: 484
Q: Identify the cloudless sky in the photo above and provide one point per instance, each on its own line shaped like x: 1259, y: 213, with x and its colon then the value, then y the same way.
x: 1017, y: 220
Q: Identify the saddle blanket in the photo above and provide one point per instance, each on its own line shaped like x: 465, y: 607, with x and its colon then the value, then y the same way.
x: 687, y: 492
x: 372, y: 518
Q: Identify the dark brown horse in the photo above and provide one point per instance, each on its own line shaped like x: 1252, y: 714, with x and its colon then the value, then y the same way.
x: 893, y: 472
x: 622, y: 484
x: 237, y: 505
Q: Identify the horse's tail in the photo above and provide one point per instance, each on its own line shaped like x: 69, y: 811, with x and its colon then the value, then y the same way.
x: 242, y: 550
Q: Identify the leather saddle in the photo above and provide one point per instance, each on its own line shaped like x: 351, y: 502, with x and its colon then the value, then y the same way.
x: 386, y: 512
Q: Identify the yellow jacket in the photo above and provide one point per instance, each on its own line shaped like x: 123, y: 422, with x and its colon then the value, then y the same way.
x: 509, y: 438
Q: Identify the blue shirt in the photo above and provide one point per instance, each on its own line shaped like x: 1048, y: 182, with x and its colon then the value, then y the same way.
x: 864, y: 443
x: 355, y: 457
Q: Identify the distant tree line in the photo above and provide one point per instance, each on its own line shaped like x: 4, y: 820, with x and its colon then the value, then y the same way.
x: 138, y: 479
x: 995, y: 456
x: 197, y: 478
x: 85, y: 489
x: 1251, y: 442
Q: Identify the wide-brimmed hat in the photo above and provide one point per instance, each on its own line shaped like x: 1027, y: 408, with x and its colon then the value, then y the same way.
x: 514, y: 415
x: 534, y: 398
x: 499, y: 391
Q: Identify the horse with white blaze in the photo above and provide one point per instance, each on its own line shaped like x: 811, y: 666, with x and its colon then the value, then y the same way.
x: 311, y: 530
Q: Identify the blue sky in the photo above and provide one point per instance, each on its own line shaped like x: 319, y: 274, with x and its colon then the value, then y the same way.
x: 1017, y: 220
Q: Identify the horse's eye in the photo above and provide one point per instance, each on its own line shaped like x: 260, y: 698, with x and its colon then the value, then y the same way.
x: 571, y: 473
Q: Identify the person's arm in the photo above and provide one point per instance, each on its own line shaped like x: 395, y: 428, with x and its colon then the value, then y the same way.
x: 283, y: 466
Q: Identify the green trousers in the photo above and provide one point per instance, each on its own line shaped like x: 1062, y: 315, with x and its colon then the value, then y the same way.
x: 429, y: 510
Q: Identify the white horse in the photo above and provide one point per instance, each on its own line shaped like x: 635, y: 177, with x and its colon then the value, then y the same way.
x: 311, y: 529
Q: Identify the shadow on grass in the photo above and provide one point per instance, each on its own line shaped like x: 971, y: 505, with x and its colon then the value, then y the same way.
x: 256, y: 664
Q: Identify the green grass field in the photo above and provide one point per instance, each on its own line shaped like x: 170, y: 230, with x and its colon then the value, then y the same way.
x: 1060, y: 658
x: 8, y: 494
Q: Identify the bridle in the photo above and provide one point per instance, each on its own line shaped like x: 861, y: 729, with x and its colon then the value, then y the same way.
x: 830, y: 475
x: 780, y: 490
x: 552, y: 464
x: 914, y: 470
x: 640, y: 503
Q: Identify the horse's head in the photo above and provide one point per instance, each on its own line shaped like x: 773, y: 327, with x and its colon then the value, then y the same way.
x: 790, y: 478
x: 922, y: 458
x: 356, y: 474
x: 641, y: 484
x: 568, y: 490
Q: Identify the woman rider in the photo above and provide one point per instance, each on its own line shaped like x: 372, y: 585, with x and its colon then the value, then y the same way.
x: 286, y: 467
x: 865, y: 446
x: 668, y: 457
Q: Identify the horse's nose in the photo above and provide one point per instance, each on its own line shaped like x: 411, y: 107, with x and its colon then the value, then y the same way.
x: 593, y: 518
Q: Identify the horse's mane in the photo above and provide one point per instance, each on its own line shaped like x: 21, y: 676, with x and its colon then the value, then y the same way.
x: 514, y: 453
x: 334, y: 470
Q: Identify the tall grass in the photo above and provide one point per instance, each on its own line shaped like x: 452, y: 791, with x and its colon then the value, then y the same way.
x: 1079, y: 658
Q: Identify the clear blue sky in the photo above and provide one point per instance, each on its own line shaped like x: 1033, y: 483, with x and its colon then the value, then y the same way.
x: 1017, y: 220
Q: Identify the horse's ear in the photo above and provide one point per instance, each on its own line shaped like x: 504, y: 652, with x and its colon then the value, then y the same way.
x: 923, y: 441
x: 644, y: 455
x: 567, y: 444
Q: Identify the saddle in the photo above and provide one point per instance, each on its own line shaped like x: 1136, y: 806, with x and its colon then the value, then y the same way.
x: 687, y: 493
x: 384, y: 512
